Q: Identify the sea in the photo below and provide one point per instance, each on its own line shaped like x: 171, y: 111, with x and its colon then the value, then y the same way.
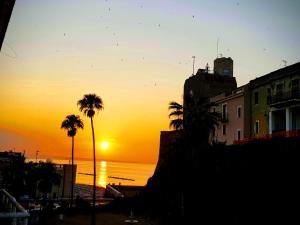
x: 119, y: 173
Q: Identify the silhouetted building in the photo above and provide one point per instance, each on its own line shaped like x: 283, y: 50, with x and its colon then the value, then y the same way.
x: 167, y: 138
x: 206, y: 84
x: 64, y: 189
x: 223, y: 66
x: 6, y: 162
x: 6, y: 8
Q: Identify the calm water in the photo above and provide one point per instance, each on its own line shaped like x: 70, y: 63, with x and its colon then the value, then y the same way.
x: 105, y: 169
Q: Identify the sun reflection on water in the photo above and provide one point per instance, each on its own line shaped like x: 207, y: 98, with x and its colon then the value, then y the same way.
x: 103, y: 174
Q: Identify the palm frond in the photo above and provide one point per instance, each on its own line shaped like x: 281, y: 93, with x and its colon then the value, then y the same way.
x: 175, y: 105
x: 199, y: 120
x: 89, y: 104
x: 176, y: 124
x: 71, y: 124
x: 176, y: 114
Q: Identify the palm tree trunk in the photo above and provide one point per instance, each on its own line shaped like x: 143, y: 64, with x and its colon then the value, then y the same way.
x: 72, y: 171
x: 93, y: 222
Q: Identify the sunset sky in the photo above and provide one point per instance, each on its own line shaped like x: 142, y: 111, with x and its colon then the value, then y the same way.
x: 135, y: 55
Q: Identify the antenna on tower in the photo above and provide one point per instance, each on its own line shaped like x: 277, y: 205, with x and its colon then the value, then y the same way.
x: 194, y: 57
x: 218, y: 47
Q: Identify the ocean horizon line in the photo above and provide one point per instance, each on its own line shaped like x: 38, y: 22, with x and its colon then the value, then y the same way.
x: 52, y: 158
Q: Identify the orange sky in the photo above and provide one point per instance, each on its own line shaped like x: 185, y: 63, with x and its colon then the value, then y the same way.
x: 131, y: 119
x: 35, y: 104
x: 136, y: 60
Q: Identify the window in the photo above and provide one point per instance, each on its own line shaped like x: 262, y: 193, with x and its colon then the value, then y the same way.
x: 239, y: 111
x: 238, y: 135
x: 224, y: 129
x: 256, y: 98
x: 224, y: 111
x: 226, y: 72
x: 256, y: 127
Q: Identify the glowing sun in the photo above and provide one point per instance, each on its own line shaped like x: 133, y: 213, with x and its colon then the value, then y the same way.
x: 104, y: 145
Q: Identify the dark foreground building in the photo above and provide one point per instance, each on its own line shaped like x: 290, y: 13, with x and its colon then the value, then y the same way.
x: 6, y: 163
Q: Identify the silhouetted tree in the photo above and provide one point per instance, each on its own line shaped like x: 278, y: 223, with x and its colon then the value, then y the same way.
x: 177, y: 114
x: 88, y: 105
x: 71, y: 124
x: 185, y: 160
x: 47, y: 176
x: 199, y: 121
x: 195, y: 117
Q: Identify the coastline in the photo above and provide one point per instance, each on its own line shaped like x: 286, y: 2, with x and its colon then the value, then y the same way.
x: 54, y: 158
x: 114, y: 173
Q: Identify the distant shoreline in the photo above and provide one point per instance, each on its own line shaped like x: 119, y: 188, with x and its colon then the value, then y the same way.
x: 132, y: 174
x: 32, y: 159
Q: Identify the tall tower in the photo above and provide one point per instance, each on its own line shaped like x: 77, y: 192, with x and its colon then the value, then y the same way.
x: 223, y: 66
x: 205, y: 84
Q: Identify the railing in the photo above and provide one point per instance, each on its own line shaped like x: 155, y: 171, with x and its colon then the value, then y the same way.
x: 292, y: 133
x: 285, y: 96
x: 114, y: 191
x: 15, y: 211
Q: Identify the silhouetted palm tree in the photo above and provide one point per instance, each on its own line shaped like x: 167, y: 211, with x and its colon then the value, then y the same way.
x: 199, y: 120
x: 177, y: 114
x: 195, y: 117
x: 71, y: 124
x: 88, y: 105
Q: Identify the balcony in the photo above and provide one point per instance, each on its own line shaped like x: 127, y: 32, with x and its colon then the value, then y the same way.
x: 285, y: 98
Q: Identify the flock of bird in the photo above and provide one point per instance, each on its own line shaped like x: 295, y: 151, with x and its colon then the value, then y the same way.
x: 14, y: 55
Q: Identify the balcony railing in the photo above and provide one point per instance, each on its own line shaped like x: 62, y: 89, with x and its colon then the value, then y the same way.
x: 285, y: 96
x: 15, y: 213
x: 292, y: 133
